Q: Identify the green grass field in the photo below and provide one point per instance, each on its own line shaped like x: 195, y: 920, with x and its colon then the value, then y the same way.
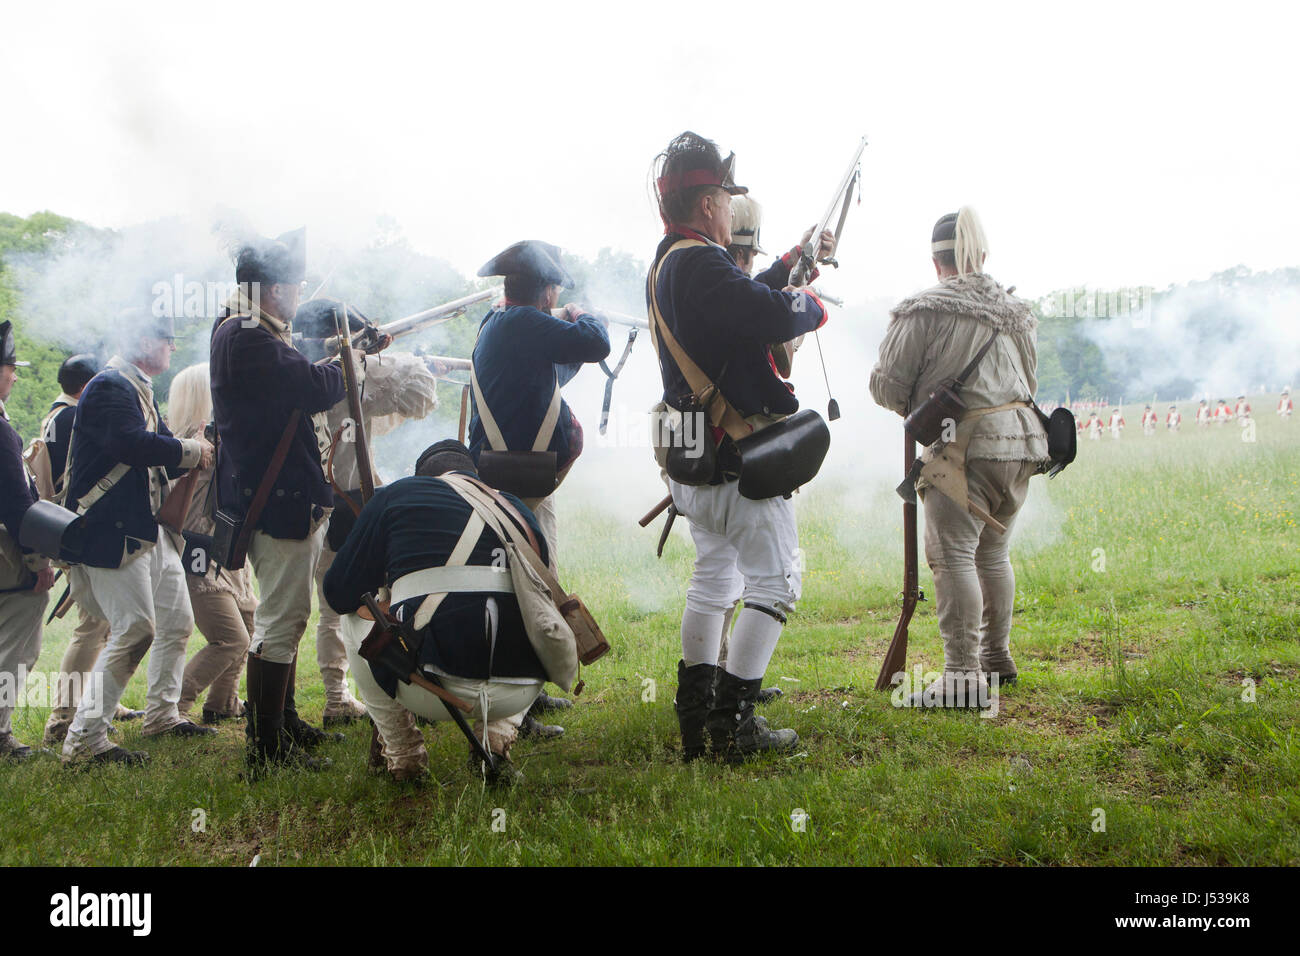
x: 1158, y: 584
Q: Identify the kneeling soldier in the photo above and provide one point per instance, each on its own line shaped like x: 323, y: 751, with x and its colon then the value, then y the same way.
x: 130, y: 574
x: 423, y: 541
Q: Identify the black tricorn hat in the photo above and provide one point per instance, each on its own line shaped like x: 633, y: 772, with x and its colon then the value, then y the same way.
x: 530, y: 257
x: 8, y: 353
x: 271, y: 261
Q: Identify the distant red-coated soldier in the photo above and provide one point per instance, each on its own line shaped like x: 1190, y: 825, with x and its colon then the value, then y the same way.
x: 1094, y: 427
x: 1149, y: 421
x: 1116, y: 423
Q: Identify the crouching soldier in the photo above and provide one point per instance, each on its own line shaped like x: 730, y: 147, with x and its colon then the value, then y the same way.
x: 120, y: 459
x: 269, y: 403
x: 443, y: 569
x: 713, y: 326
x: 932, y: 338
x: 24, y: 579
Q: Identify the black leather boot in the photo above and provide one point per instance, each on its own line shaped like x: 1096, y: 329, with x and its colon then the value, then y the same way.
x: 694, y: 699
x: 735, y: 732
x: 300, y: 732
x: 767, y: 695
x: 532, y: 727
x: 545, y: 702
x: 268, y: 744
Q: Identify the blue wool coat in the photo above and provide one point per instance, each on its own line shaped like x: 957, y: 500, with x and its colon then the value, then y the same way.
x: 725, y: 321
x: 413, y: 524
x: 519, y: 352
x: 17, y: 492
x: 257, y: 381
x: 57, y: 436
x: 109, y: 428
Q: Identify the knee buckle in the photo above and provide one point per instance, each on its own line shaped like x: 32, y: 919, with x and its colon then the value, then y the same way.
x: 769, y: 611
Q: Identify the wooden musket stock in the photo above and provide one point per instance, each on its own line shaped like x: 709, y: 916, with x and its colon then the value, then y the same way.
x: 896, y: 657
x: 656, y: 511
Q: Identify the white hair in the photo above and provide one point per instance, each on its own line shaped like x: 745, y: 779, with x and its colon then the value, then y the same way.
x: 970, y: 246
x: 189, y: 402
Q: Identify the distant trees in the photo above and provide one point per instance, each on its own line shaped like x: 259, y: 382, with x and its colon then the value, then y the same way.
x: 1092, y: 343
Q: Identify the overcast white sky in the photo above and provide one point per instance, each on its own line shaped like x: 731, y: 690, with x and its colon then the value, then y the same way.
x: 1103, y: 143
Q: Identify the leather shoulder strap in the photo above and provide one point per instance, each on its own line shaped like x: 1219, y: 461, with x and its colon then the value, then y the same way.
x: 720, y: 411
x: 268, y: 480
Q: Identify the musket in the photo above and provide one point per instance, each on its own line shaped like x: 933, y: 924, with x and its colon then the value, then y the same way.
x: 895, y: 662
x: 618, y: 318
x: 354, y: 404
x: 808, y: 258
x: 420, y: 321
x: 64, y: 603
x: 455, y: 707
x: 656, y: 511
x: 439, y: 365
x: 441, y: 313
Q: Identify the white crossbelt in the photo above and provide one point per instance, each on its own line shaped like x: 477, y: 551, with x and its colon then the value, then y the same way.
x: 452, y: 580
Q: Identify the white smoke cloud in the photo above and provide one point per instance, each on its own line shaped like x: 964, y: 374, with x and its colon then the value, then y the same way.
x: 1233, y: 334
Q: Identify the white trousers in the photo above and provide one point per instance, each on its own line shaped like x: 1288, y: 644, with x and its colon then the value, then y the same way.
x: 286, y: 573
x: 543, y: 510
x: 22, y: 615
x: 499, y: 707
x: 147, y: 604
x: 744, y: 549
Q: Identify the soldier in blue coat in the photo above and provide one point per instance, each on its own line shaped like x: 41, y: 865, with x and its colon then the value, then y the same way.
x: 24, y: 579
x: 91, y: 633
x: 523, y: 357
x: 413, y: 538
x: 258, y: 380
x: 130, y: 574
x: 725, y: 322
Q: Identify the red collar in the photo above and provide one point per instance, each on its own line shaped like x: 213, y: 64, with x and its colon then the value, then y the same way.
x: 688, y: 232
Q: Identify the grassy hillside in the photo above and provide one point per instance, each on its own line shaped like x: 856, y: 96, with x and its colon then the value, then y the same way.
x: 1133, y: 674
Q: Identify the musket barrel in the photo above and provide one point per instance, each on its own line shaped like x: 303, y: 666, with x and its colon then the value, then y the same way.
x: 448, y: 362
x: 429, y: 317
x: 618, y: 318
